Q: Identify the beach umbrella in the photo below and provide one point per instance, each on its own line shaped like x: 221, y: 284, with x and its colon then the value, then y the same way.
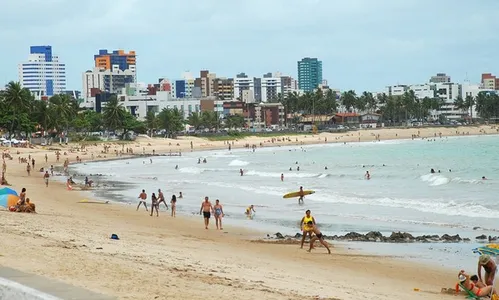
x: 490, y: 249
x: 8, y: 200
x: 7, y: 191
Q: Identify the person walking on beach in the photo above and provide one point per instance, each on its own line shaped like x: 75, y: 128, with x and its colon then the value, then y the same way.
x: 206, y: 209
x: 173, y: 204
x: 154, y: 204
x: 46, y: 178
x: 143, y: 198
x: 46, y: 157
x: 4, y: 167
x: 219, y: 213
x: 161, y: 199
x: 305, y: 228
x: 52, y: 170
x: 28, y: 169
x: 318, y: 236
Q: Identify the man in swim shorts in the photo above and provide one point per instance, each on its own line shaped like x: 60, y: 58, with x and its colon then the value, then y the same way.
x: 161, y: 199
x: 490, y: 268
x: 307, y: 230
x: 143, y: 198
x: 206, y: 209
x: 318, y: 236
x: 219, y: 213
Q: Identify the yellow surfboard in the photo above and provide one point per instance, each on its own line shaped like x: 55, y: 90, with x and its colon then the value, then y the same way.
x: 297, y: 194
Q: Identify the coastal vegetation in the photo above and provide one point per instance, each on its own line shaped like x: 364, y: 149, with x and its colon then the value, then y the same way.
x: 21, y: 113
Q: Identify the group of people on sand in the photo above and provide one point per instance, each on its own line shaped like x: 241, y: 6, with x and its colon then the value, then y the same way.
x: 157, y: 200
x: 476, y: 284
x: 23, y: 204
x: 309, y: 227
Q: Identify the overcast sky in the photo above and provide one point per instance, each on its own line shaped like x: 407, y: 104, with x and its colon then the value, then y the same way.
x: 363, y: 44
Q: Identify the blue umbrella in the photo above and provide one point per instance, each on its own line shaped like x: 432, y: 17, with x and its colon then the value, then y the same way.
x: 8, y: 191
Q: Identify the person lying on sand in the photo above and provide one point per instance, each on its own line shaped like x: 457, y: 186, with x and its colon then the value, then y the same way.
x: 465, y: 280
x: 318, y: 236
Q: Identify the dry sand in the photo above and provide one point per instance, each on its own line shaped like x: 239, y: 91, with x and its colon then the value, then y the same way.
x: 176, y: 258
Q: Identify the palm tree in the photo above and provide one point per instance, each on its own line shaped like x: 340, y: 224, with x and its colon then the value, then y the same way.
x: 459, y: 104
x: 65, y: 108
x: 348, y: 100
x: 113, y: 114
x: 43, y: 115
x: 18, y: 101
x: 150, y: 122
x: 195, y: 120
x: 469, y: 102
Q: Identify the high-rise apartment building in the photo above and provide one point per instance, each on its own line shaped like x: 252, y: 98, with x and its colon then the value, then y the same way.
x: 124, y: 61
x: 205, y: 83
x: 440, y: 78
x: 490, y: 81
x: 112, y: 72
x: 43, y: 74
x: 223, y: 88
x: 309, y: 74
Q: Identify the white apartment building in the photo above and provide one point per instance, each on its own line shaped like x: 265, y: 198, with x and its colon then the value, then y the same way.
x: 107, y: 80
x: 42, y: 74
x: 271, y: 88
x: 243, y: 84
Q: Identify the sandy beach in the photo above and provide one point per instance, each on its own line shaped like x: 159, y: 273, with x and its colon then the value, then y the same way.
x: 176, y: 258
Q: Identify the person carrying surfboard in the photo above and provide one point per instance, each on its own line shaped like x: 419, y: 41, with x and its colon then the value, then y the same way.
x: 302, y: 194
x: 305, y: 228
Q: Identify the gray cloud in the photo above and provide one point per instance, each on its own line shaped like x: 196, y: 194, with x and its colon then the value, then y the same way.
x: 396, y: 41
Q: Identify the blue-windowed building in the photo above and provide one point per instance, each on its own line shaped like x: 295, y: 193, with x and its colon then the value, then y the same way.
x: 309, y: 74
x: 43, y: 74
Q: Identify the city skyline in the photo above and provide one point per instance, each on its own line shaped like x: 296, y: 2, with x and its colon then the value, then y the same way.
x: 364, y: 45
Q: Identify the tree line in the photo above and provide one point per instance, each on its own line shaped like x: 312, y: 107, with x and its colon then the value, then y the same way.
x: 21, y: 113
x: 393, y: 109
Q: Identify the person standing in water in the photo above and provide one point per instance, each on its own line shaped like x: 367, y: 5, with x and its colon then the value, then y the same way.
x: 206, y: 209
x: 173, y: 204
x: 318, y: 236
x: 143, y: 198
x: 305, y: 228
x: 180, y: 196
x: 154, y: 205
x: 282, y: 176
x: 367, y: 176
x: 219, y: 213
x: 161, y: 199
x: 249, y: 211
x: 302, y: 195
x: 241, y: 172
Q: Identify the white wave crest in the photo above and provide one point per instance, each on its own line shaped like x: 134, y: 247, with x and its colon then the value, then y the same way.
x: 435, y: 179
x: 238, y: 163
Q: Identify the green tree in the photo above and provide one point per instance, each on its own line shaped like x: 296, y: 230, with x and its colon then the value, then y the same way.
x: 459, y: 104
x: 18, y: 103
x: 469, y: 102
x: 151, y: 122
x: 113, y: 114
x: 64, y: 110
x: 171, y: 121
x: 348, y: 100
x: 234, y: 121
x: 195, y: 120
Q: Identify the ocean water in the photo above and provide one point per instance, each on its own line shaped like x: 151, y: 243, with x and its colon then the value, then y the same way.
x: 402, y: 195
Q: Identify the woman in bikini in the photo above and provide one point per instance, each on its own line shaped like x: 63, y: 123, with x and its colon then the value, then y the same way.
x: 464, y: 279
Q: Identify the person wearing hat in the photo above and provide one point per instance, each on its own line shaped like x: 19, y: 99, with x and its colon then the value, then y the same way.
x: 464, y: 279
x: 490, y: 268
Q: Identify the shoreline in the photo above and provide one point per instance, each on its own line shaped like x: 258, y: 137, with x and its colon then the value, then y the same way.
x: 62, y: 242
